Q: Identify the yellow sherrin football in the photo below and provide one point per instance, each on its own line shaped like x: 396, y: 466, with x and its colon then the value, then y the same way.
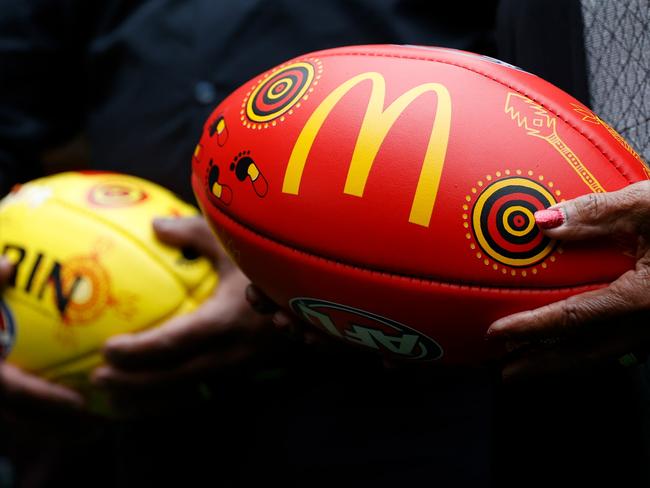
x: 88, y: 266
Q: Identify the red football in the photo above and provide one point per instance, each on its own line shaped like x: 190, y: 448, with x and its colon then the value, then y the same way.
x: 386, y: 193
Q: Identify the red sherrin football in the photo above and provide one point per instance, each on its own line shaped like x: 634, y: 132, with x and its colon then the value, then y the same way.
x: 386, y: 193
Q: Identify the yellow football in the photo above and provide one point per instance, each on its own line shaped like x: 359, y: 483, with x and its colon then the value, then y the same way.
x: 88, y: 266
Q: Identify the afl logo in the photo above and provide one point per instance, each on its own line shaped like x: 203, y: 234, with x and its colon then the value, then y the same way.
x: 7, y: 330
x: 115, y: 195
x: 367, y: 329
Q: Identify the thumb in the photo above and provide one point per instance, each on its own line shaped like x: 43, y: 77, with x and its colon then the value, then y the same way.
x: 192, y: 233
x: 625, y: 211
x: 175, y: 339
x: 6, y: 269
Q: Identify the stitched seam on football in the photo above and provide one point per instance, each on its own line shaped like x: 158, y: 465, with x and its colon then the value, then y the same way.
x: 533, y: 96
x: 98, y: 350
x: 420, y: 279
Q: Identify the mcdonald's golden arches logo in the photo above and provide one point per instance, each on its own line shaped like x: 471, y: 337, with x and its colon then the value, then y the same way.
x: 375, y: 126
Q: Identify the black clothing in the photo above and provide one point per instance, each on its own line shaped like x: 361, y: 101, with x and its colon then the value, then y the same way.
x: 545, y: 38
x: 575, y: 430
x: 138, y: 79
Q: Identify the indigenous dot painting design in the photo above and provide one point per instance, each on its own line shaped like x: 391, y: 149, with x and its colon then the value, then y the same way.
x: 219, y: 128
x: 589, y: 116
x: 277, y: 95
x: 116, y: 195
x: 88, y: 284
x: 498, y: 216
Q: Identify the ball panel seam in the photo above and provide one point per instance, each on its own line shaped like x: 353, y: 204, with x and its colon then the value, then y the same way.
x: 137, y: 242
x: 420, y: 279
x: 48, y: 371
x: 533, y: 97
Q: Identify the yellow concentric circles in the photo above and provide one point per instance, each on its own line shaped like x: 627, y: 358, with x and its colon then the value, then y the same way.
x: 524, y: 210
x: 274, y: 96
x: 296, y: 98
x: 478, y: 231
x: 118, y: 194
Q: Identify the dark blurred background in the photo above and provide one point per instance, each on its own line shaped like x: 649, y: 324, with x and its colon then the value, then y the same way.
x: 126, y: 86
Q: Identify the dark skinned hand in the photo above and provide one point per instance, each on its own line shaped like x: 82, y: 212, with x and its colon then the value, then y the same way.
x: 165, y: 366
x: 34, y: 407
x: 589, y: 329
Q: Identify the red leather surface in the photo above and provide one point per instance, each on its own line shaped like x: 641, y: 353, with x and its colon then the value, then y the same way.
x: 515, y: 144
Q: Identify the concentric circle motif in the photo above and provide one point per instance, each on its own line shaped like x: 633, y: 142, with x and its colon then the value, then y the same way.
x: 116, y: 194
x: 88, y: 284
x: 279, y: 93
x: 503, y: 222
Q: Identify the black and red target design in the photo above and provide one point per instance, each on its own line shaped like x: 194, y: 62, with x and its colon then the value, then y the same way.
x: 279, y: 92
x: 503, y: 222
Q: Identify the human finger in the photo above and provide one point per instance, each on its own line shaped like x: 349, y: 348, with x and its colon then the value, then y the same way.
x: 261, y: 303
x: 568, y: 317
x: 18, y: 386
x: 191, y: 233
x: 603, y: 347
x: 625, y: 211
x: 111, y: 377
x: 6, y: 270
x: 177, y: 338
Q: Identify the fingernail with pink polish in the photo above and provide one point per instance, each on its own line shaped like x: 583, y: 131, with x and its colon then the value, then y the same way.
x: 549, y: 218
